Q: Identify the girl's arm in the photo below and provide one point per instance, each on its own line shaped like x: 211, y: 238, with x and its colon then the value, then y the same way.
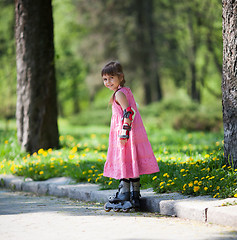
x: 121, y: 99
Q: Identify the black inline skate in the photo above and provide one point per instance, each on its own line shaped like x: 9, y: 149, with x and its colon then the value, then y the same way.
x: 121, y: 200
x: 135, y: 193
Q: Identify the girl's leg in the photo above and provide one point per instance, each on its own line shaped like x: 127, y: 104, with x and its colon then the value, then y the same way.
x: 135, y: 192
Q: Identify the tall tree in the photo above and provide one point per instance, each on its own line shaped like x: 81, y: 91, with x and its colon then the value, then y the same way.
x: 146, y: 54
x: 229, y: 81
x: 36, y: 83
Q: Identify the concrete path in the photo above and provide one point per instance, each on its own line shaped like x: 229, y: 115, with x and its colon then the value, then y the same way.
x: 24, y: 216
x: 203, y: 209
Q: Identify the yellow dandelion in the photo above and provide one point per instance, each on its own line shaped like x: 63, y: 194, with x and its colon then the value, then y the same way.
x: 93, y: 136
x: 110, y: 182
x: 190, y: 184
x: 74, y: 150
x: 155, y: 177
x: 61, y: 138
x: 41, y: 172
x: 40, y: 151
x: 45, y: 154
x: 205, y: 188
x: 12, y: 168
x: 196, y: 188
x: 207, y: 156
x: 182, y: 170
x: 235, y: 195
x: 71, y: 156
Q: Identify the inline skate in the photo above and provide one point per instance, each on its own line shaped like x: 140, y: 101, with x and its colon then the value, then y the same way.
x: 121, y: 200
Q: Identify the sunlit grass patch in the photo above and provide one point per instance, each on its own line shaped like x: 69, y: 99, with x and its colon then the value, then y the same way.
x: 190, y: 163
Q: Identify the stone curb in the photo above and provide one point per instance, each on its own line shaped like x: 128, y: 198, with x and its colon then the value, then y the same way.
x: 203, y: 209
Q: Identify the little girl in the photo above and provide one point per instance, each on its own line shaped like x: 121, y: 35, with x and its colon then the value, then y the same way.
x: 129, y: 154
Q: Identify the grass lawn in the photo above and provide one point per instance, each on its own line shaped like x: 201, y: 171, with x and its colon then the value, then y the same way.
x: 190, y: 162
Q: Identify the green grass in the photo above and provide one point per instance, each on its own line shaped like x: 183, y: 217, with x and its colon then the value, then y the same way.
x: 190, y: 162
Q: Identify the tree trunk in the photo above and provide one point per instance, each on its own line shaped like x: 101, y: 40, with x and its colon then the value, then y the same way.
x: 36, y: 112
x: 229, y: 81
x: 195, y: 93
x: 154, y: 75
x: 143, y: 49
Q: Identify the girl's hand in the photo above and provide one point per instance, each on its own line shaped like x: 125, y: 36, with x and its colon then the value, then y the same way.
x: 123, y: 141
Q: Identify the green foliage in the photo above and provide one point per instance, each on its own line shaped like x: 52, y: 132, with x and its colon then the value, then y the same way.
x: 185, y: 33
x: 71, y: 70
x: 7, y: 61
x: 198, y: 121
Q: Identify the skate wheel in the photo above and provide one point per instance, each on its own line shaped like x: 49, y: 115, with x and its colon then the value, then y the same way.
x: 116, y: 209
x: 126, y: 210
x: 106, y: 208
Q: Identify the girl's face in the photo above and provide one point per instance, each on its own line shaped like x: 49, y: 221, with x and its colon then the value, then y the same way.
x: 112, y: 82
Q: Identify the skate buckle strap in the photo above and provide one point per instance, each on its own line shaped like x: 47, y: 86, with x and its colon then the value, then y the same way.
x: 129, y: 113
x: 126, y: 129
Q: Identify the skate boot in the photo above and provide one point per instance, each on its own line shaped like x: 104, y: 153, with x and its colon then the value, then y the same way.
x: 121, y: 200
x: 135, y: 192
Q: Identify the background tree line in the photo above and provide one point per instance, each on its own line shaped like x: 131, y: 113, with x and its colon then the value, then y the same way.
x: 160, y: 43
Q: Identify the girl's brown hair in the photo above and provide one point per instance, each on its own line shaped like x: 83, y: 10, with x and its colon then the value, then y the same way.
x: 114, y: 68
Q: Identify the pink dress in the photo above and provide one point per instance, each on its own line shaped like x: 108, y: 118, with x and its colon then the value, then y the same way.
x: 136, y: 157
